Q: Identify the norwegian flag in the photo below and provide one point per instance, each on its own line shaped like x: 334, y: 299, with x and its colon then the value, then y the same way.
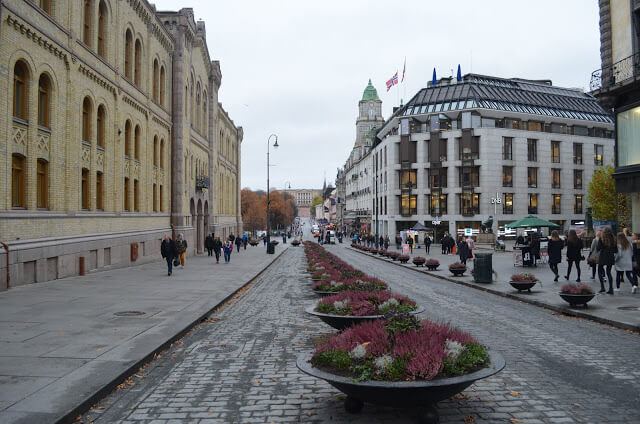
x: 393, y: 81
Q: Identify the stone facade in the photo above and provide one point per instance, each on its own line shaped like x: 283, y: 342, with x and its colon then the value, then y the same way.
x: 303, y: 198
x: 90, y: 132
x: 471, y: 175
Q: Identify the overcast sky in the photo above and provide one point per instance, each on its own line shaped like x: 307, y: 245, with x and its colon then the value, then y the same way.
x: 298, y: 68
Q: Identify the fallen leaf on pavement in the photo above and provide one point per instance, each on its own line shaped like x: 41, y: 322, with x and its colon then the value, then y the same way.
x: 514, y: 420
x: 514, y: 393
x: 469, y: 419
x: 578, y: 405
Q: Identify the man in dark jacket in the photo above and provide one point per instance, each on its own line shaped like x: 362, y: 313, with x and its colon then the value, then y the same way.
x: 463, y: 250
x: 217, y: 247
x: 208, y: 244
x: 168, y: 251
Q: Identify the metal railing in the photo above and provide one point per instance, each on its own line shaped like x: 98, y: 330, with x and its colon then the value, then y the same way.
x: 617, y: 73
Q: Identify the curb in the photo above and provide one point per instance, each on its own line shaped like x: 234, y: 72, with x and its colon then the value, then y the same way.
x: 561, y: 309
x: 70, y: 416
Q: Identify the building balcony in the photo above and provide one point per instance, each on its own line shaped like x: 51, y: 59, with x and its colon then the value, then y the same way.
x: 622, y: 72
x: 202, y: 182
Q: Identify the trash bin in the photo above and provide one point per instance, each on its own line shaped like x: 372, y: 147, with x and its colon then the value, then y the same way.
x: 271, y: 248
x: 483, y: 268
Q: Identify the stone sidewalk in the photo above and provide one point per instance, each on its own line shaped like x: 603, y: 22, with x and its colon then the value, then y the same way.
x: 66, y: 343
x: 604, y: 308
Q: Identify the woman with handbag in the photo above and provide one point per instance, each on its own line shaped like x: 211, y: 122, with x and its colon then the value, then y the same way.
x: 624, y: 262
x: 594, y: 255
x: 608, y: 248
x: 574, y: 253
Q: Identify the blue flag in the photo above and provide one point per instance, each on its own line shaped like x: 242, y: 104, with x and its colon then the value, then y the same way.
x: 434, y: 81
x: 459, y: 77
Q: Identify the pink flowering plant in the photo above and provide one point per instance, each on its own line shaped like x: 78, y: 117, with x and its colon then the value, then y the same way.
x: 579, y: 288
x: 332, y: 274
x: 400, y: 348
x: 359, y: 303
x: 524, y: 278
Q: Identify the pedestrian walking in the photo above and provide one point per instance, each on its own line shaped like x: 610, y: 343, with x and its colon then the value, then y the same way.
x: 245, y: 240
x: 472, y: 245
x: 228, y: 248
x: 168, y: 252
x: 398, y: 241
x: 427, y: 243
x: 443, y: 244
x: 594, y: 254
x: 608, y: 248
x: 217, y: 248
x: 555, y: 253
x: 181, y: 246
x: 463, y: 250
x: 624, y: 263
x: 574, y: 253
x: 232, y: 237
x: 535, y: 248
x: 238, y: 243
x: 386, y: 243
x: 410, y: 243
x: 208, y: 244
x: 635, y: 244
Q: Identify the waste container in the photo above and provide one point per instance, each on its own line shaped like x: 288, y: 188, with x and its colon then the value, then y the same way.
x: 271, y: 248
x: 483, y: 268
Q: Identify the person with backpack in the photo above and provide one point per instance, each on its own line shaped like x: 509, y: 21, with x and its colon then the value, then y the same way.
x: 238, y: 243
x: 228, y: 249
x: 217, y: 248
x: 608, y: 248
x: 245, y: 240
x: 181, y: 246
x: 168, y: 252
x: 594, y: 255
x: 574, y: 253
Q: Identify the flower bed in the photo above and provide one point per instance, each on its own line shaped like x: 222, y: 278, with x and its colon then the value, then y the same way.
x: 404, y: 258
x: 523, y: 282
x: 432, y: 264
x: 419, y: 261
x: 360, y: 303
x: 577, y: 294
x: 331, y: 274
x: 580, y: 288
x: 400, y: 349
x: 457, y: 268
x: 394, y: 255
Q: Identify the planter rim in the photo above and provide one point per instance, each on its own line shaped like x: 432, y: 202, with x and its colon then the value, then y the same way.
x: 576, y: 294
x: 326, y: 293
x: 310, y: 310
x: 496, y: 365
x: 524, y: 282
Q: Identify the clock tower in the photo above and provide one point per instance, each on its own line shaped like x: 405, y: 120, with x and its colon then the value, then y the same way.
x: 369, y: 116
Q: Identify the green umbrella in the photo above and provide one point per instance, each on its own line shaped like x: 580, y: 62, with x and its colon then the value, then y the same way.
x: 531, y: 221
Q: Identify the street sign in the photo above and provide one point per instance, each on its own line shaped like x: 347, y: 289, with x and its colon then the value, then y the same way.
x: 468, y: 232
x: 435, y: 222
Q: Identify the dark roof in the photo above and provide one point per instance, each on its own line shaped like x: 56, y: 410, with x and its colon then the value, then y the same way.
x: 514, y: 95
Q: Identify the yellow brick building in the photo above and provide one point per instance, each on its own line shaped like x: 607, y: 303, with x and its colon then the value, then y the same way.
x: 106, y: 134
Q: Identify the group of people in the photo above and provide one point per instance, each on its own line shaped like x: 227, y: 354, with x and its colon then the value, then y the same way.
x: 607, y: 251
x: 173, y: 251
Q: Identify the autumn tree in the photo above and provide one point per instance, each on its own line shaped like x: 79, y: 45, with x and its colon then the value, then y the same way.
x: 254, y: 209
x: 606, y: 204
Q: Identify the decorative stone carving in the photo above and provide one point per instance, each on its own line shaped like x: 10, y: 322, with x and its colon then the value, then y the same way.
x: 100, y: 159
x: 86, y: 156
x: 42, y: 145
x: 19, y: 138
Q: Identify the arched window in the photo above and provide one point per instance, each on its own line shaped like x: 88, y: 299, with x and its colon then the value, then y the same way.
x: 44, y: 101
x: 20, y: 88
x: 155, y: 204
x: 102, y: 28
x: 155, y: 79
x: 42, y: 183
x: 136, y: 196
x: 85, y: 189
x: 155, y: 150
x: 128, y: 45
x: 186, y: 102
x: 127, y: 140
x: 137, y: 73
x: 46, y: 6
x: 136, y: 153
x: 127, y: 189
x: 100, y: 126
x: 99, y: 191
x: 161, y: 199
x: 162, y: 153
x: 18, y: 181
x: 86, y: 29
x: 198, y: 107
x: 162, y: 85
x: 86, y: 120
x: 205, y: 118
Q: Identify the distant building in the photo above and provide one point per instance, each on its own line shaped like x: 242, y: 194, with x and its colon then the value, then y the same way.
x: 358, y: 172
x: 303, y: 198
x: 617, y: 87
x: 460, y: 152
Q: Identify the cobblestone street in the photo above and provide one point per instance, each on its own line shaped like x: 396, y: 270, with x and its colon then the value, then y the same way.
x: 239, y: 366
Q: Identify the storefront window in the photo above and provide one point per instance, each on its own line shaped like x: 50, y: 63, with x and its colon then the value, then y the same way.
x: 628, y: 136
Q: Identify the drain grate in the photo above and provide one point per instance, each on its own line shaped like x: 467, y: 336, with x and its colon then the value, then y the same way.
x: 129, y: 313
x: 629, y: 308
x: 222, y: 348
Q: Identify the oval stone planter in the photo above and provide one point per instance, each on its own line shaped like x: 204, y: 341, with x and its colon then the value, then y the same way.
x: 340, y: 322
x: 432, y: 267
x: 419, y: 263
x: 401, y: 394
x: 324, y: 293
x: 522, y: 285
x: 577, y: 299
x: 457, y: 272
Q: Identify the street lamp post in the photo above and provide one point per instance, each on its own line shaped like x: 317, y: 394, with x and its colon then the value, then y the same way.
x: 287, y: 184
x: 275, y: 145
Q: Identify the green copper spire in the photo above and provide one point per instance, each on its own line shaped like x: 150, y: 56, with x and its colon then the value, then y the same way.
x: 370, y: 92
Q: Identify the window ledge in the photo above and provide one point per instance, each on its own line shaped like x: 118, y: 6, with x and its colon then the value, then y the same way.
x: 86, y: 143
x: 44, y: 129
x: 20, y: 121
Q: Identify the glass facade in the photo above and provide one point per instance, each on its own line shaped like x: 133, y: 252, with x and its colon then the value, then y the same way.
x: 629, y: 137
